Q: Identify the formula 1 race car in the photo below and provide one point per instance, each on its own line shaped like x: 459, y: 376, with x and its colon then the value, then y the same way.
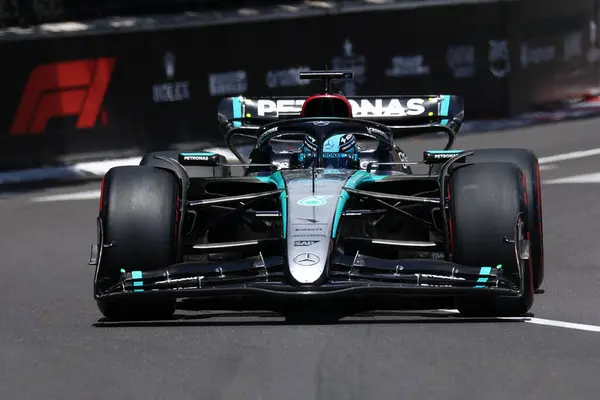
x: 325, y: 206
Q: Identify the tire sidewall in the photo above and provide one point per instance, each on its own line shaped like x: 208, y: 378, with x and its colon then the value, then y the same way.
x: 136, y: 242
x: 484, y: 227
x: 527, y: 161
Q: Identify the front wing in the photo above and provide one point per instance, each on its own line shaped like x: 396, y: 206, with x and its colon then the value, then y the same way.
x: 346, y: 276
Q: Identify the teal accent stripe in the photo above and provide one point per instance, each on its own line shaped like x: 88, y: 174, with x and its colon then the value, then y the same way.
x: 483, y: 271
x: 137, y: 275
x: 236, y: 103
x: 138, y: 283
x: 444, y: 108
x: 344, y: 196
x: 278, y: 180
x: 444, y: 151
x: 352, y: 183
x: 283, y: 200
x: 205, y: 154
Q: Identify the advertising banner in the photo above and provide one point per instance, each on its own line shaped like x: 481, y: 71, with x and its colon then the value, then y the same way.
x: 554, y: 50
x: 144, y: 91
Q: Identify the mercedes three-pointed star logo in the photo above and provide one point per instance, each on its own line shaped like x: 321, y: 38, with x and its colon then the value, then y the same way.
x: 306, y: 259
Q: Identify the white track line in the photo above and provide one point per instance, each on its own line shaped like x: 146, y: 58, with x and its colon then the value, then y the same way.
x: 542, y: 321
x: 569, y: 156
x: 593, y: 177
x: 99, y: 168
x: 546, y: 163
x: 562, y: 324
x: 88, y: 195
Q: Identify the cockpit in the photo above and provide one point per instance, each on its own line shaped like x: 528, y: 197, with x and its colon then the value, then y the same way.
x: 322, y: 143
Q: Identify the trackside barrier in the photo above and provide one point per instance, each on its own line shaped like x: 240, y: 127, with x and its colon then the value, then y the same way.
x: 71, y: 94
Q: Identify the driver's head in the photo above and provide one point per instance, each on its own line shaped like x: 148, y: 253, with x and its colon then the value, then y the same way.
x: 339, y: 151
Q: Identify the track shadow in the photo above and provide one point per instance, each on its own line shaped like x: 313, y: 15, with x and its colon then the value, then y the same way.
x: 309, y: 318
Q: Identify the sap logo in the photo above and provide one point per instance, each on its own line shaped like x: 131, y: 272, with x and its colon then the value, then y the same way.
x: 305, y: 243
x: 267, y: 107
x: 393, y: 108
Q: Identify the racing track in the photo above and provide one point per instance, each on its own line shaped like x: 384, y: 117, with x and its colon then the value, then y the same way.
x: 52, y: 345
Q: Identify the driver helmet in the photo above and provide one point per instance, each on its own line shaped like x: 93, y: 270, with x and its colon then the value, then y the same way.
x: 339, y: 151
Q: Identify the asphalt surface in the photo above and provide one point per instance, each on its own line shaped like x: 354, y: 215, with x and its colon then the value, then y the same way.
x: 53, y: 344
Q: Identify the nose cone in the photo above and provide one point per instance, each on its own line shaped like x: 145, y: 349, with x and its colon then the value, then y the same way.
x: 310, y: 221
x: 307, y: 267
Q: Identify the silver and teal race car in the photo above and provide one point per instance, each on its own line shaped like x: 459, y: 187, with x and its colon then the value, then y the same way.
x: 325, y: 207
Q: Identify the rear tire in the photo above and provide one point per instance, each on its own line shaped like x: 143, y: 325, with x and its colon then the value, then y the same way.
x: 486, y: 202
x: 528, y: 162
x: 140, y: 216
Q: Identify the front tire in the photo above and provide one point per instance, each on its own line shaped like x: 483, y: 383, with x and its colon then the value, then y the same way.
x: 528, y: 162
x: 140, y: 216
x: 487, y: 203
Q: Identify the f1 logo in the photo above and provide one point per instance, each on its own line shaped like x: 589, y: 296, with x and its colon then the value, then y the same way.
x: 63, y: 89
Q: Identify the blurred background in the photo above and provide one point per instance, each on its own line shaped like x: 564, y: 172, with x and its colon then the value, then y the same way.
x: 87, y: 85
x: 97, y: 80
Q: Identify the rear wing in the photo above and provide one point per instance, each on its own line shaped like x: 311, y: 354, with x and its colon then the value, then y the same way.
x: 393, y: 111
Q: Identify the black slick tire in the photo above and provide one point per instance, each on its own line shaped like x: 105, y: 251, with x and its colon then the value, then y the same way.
x: 487, y: 202
x: 528, y: 162
x: 139, y: 212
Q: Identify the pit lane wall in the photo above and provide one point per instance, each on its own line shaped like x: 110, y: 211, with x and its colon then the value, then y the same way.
x: 66, y: 95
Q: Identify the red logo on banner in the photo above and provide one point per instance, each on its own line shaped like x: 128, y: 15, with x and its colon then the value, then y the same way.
x: 63, y: 89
